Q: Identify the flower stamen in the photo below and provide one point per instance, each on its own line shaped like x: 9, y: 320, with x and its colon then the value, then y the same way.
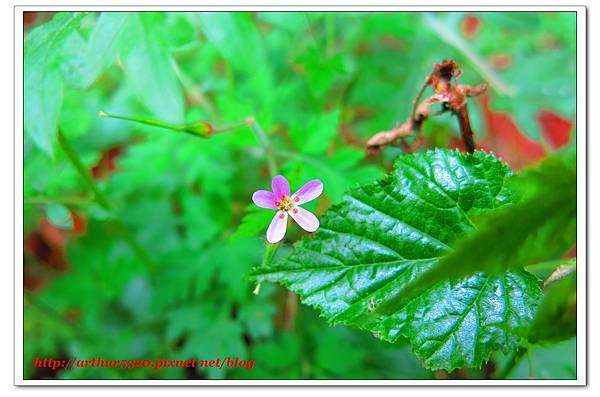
x: 285, y: 204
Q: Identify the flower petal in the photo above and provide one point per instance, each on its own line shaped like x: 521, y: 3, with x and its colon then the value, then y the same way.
x: 281, y: 187
x: 276, y: 229
x: 305, y: 219
x: 310, y: 191
x: 264, y: 199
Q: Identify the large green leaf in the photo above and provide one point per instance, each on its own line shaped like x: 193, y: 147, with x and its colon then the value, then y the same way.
x: 538, y: 227
x: 376, y: 242
x: 43, y: 82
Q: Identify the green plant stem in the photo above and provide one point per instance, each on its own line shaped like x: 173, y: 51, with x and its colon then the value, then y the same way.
x: 265, y: 142
x: 232, y: 126
x: 300, y: 157
x: 101, y: 199
x: 134, y: 244
x: 82, y: 170
x: 195, y: 94
x: 66, y: 200
x: 270, y: 250
x: 267, y: 146
x: 150, y: 122
x: 193, y: 129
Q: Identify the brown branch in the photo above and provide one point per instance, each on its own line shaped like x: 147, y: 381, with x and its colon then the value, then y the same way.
x: 420, y: 94
x: 384, y: 138
x: 471, y: 91
x: 452, y: 96
x: 466, y: 132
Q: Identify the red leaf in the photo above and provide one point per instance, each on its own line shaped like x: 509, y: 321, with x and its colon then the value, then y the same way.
x: 107, y: 163
x: 555, y: 129
x: 506, y: 140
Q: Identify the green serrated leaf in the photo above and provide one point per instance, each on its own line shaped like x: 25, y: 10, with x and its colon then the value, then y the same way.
x: 375, y: 243
x: 201, y: 129
x: 540, y: 226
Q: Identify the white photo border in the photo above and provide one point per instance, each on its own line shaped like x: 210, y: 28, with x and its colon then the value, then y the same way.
x: 582, y: 208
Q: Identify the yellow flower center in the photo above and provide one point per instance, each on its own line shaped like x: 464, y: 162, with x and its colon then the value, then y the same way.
x: 285, y: 204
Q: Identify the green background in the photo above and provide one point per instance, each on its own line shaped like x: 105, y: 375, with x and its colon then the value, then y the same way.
x: 319, y: 85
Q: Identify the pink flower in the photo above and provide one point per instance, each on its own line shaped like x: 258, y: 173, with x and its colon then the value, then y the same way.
x: 281, y: 201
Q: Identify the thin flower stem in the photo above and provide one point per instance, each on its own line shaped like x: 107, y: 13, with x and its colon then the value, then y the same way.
x: 101, y: 199
x: 201, y: 129
x: 297, y: 156
x: 82, y: 170
x: 270, y: 250
x: 134, y: 244
x: 266, y: 144
x: 232, y: 126
x: 195, y: 94
x: 153, y: 123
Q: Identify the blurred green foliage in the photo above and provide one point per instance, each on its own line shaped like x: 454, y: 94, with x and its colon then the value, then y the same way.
x: 318, y: 85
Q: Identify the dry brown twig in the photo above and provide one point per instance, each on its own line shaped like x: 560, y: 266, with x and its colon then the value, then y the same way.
x: 452, y: 97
